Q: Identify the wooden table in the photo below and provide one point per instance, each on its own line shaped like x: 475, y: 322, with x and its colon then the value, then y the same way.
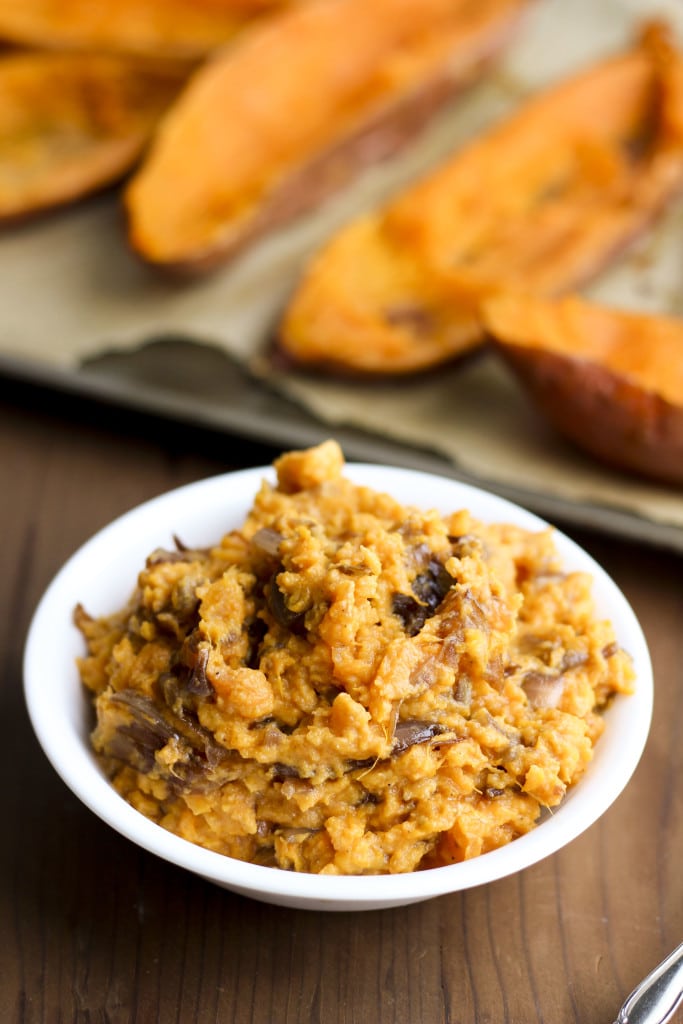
x: 94, y: 930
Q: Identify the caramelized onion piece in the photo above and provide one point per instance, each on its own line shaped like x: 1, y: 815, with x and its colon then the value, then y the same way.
x: 280, y: 610
x: 429, y: 587
x: 410, y: 733
x: 267, y: 540
x: 543, y: 689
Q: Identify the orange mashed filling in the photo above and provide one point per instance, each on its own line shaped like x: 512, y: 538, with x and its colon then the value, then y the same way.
x: 347, y: 685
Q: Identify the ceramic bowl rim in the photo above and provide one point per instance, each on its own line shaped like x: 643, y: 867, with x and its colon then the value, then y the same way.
x: 62, y: 734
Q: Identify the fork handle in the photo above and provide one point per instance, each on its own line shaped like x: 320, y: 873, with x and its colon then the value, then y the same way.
x: 656, y: 998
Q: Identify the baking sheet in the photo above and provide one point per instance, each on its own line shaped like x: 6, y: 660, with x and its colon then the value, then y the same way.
x: 80, y: 312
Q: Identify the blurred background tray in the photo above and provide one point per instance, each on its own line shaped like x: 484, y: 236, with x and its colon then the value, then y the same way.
x: 201, y: 386
x: 80, y: 312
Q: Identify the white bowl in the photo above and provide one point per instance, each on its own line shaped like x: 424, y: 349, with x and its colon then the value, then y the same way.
x: 101, y: 575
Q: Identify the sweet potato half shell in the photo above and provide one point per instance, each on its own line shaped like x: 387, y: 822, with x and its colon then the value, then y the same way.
x: 182, y: 29
x: 73, y: 123
x: 610, y: 381
x: 543, y: 201
x: 293, y: 109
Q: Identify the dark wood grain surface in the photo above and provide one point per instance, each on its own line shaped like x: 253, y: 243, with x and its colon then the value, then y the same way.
x: 94, y: 930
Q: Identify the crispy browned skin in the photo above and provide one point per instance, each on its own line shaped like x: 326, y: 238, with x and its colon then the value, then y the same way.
x: 543, y: 201
x: 170, y: 28
x: 73, y: 123
x: 278, y: 121
x: 611, y: 381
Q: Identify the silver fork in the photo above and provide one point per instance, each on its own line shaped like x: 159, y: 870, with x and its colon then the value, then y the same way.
x: 657, y: 997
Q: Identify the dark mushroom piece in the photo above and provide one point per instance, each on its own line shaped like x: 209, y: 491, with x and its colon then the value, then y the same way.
x: 409, y: 733
x: 429, y: 589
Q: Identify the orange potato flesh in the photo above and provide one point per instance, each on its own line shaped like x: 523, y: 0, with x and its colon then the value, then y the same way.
x: 611, y: 381
x: 289, y: 113
x: 542, y: 201
x: 73, y: 123
x: 171, y: 28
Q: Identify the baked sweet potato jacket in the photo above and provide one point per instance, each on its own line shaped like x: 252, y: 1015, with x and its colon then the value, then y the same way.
x: 610, y: 380
x: 292, y: 110
x: 542, y: 201
x: 186, y: 29
x: 73, y: 123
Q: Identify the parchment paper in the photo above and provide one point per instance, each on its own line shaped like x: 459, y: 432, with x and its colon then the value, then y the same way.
x: 71, y: 293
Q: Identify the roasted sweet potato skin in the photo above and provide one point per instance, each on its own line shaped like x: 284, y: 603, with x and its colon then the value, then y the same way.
x: 73, y: 123
x: 544, y: 201
x: 610, y: 381
x: 177, y: 29
x: 293, y: 110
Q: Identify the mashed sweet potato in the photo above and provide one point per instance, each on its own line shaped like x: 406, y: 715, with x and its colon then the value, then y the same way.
x: 349, y: 686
